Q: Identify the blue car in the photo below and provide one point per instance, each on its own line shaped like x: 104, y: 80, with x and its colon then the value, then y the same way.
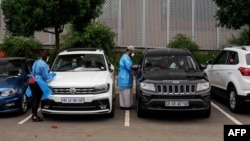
x: 13, y: 84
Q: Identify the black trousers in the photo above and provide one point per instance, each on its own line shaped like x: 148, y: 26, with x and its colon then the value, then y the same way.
x: 36, y: 97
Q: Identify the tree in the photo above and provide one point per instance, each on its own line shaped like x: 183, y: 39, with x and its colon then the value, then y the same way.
x: 24, y: 17
x: 183, y: 41
x: 20, y: 46
x: 96, y: 35
x: 233, y: 14
x: 241, y: 40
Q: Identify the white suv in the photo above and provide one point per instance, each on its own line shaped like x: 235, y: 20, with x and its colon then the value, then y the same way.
x: 229, y: 76
x: 85, y: 86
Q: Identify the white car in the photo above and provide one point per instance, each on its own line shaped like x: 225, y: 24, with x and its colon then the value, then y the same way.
x: 84, y: 84
x: 229, y: 76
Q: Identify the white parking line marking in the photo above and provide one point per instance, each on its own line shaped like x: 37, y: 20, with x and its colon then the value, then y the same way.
x: 27, y: 118
x: 24, y: 120
x: 127, y: 116
x: 126, y: 123
x: 227, y: 115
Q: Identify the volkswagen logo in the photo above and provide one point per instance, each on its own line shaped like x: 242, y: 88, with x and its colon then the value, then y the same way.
x: 72, y: 90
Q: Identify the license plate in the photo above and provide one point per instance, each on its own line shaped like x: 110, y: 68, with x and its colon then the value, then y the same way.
x: 72, y: 100
x: 176, y: 103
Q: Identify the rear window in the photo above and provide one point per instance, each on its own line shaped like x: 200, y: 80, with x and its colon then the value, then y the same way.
x: 248, y: 59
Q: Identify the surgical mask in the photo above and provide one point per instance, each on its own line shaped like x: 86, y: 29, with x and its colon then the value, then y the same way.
x: 181, y: 62
x: 74, y: 64
x: 132, y: 54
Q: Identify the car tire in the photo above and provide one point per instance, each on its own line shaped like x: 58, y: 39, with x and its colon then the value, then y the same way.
x: 23, y: 107
x: 233, y: 100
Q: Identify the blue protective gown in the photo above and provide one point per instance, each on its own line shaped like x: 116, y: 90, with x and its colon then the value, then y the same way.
x: 125, y: 74
x: 40, y: 69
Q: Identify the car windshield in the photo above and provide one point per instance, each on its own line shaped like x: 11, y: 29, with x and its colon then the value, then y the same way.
x: 10, y: 67
x: 184, y: 62
x: 79, y: 62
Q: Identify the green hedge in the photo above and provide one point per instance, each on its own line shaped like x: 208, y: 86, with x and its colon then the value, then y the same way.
x: 20, y: 46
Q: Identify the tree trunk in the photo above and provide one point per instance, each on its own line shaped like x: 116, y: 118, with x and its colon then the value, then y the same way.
x: 57, y: 42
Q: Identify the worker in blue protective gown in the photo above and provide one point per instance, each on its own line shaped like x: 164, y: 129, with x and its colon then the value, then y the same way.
x: 39, y: 90
x: 125, y: 79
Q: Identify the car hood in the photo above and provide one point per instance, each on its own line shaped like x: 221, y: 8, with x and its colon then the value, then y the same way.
x: 79, y: 79
x: 9, y: 82
x: 173, y: 74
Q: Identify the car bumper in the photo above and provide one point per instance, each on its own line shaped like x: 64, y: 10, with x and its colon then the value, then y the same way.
x: 93, y: 104
x: 9, y: 104
x: 201, y: 102
x: 245, y: 99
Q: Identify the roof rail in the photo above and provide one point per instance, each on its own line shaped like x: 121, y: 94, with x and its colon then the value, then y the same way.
x: 241, y: 47
x: 81, y: 49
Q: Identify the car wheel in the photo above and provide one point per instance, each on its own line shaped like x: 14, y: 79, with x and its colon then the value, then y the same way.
x: 24, y: 104
x: 140, y: 112
x: 234, y: 103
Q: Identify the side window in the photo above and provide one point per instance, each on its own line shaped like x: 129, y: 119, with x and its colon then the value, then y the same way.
x: 222, y: 58
x: 140, y: 63
x: 232, y: 58
x: 248, y: 59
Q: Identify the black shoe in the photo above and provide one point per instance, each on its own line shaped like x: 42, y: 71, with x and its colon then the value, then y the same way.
x: 36, y: 119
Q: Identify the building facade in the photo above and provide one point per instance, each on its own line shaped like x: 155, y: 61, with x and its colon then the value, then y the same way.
x: 154, y: 23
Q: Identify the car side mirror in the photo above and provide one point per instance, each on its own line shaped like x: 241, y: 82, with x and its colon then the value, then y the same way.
x: 111, y: 67
x: 203, y: 66
x: 209, y: 62
x: 135, y: 67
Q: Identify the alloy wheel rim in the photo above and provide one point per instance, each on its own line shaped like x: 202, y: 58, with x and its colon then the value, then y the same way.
x: 232, y: 100
x: 24, y: 103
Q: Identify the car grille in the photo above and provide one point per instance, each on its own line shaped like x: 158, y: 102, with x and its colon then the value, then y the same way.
x: 173, y: 89
x: 75, y: 91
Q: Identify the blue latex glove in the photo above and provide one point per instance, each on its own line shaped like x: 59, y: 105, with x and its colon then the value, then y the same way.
x: 53, y: 74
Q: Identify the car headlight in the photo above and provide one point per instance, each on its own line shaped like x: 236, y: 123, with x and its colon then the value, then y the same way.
x: 102, y: 88
x: 202, y: 86
x: 9, y: 92
x: 147, y: 86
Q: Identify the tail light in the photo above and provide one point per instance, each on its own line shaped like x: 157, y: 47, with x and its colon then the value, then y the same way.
x: 244, y: 71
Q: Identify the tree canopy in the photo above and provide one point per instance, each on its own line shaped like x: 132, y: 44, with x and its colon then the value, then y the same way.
x: 233, y: 14
x: 96, y: 35
x: 183, y: 41
x: 24, y: 17
x: 20, y: 46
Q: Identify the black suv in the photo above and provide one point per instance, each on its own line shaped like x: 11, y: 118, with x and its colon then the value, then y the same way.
x: 169, y: 79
